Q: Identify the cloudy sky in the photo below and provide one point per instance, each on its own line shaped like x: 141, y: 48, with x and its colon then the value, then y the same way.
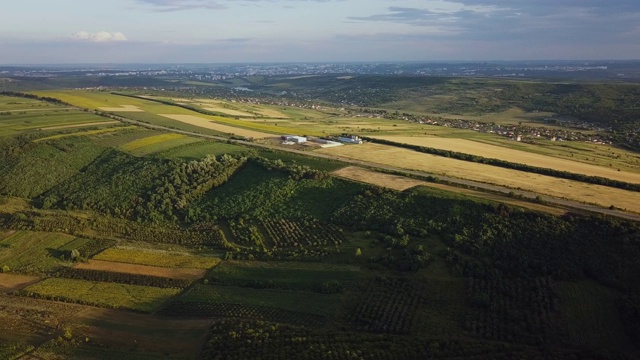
x: 215, y: 31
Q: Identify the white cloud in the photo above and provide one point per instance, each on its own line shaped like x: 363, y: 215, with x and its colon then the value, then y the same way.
x: 101, y: 36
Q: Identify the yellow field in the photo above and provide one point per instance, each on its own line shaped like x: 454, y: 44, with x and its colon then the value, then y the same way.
x: 150, y: 140
x: 402, y: 183
x: 207, y: 124
x: 408, y: 159
x: 83, y: 133
x: 173, y: 273
x: 157, y: 258
x: 516, y: 156
x: 122, y: 108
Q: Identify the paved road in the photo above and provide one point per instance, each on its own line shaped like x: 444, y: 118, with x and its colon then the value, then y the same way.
x: 454, y: 181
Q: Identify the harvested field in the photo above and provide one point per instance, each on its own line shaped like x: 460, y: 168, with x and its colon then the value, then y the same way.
x: 80, y: 125
x: 11, y: 282
x: 207, y: 124
x: 402, y: 183
x: 173, y: 273
x: 412, y: 160
x: 395, y: 182
x: 122, y: 108
x: 516, y: 156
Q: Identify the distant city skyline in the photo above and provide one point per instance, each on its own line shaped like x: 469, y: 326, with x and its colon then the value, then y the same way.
x: 252, y: 31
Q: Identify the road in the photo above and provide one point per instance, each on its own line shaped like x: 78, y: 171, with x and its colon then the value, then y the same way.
x: 548, y: 200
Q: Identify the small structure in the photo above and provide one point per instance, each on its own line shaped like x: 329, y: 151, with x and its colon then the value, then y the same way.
x: 350, y: 139
x: 294, y: 139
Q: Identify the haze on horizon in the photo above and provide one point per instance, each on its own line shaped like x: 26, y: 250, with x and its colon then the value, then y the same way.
x: 221, y: 31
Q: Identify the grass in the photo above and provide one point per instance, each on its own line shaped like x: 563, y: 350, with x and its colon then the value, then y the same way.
x: 165, y: 146
x: 157, y: 258
x: 117, y: 296
x: 31, y: 252
x: 149, y: 141
x: 299, y: 301
x: 592, y: 315
x: 200, y: 149
x: 288, y: 276
x: 41, y: 166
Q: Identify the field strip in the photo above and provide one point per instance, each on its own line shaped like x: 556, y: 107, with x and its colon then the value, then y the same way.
x: 83, y: 133
x: 80, y: 125
x: 122, y: 108
x: 225, y: 110
x: 388, y: 181
x: 515, y: 156
x: 173, y: 273
x: 402, y: 183
x: 150, y: 140
x: 561, y: 188
x: 12, y: 282
x: 207, y: 124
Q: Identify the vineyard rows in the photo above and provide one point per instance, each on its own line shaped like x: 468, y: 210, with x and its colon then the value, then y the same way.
x: 241, y: 311
x: 387, y: 306
x: 305, y: 233
x: 515, y: 310
x: 123, y: 278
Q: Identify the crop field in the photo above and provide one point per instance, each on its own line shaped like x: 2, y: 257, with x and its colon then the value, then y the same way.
x: 87, y: 133
x: 323, y: 278
x: 516, y: 156
x: 48, y: 121
x: 389, y: 181
x: 157, y: 258
x: 123, y: 108
x: 103, y: 123
x: 592, y: 316
x: 205, y: 123
x: 150, y: 141
x: 110, y: 295
x: 235, y: 108
x: 10, y: 103
x: 111, y: 266
x: 412, y: 160
x: 92, y: 99
x: 12, y: 282
x: 31, y: 252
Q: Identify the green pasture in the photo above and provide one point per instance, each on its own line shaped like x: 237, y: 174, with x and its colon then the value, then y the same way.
x: 30, y: 252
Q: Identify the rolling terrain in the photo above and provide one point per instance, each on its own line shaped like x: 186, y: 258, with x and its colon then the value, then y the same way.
x: 128, y: 231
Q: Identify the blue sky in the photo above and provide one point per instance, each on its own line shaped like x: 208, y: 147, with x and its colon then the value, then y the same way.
x: 215, y: 31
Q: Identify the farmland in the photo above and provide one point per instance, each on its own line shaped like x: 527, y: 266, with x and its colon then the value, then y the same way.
x: 111, y: 295
x: 157, y: 258
x: 117, y: 240
x: 408, y: 159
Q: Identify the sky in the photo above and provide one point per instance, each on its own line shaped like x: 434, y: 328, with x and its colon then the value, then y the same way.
x: 227, y: 31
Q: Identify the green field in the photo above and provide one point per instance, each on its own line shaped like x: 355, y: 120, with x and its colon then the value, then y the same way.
x: 111, y: 295
x: 287, y: 276
x: 31, y: 252
x: 157, y: 258
x: 197, y: 149
x: 298, y: 301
